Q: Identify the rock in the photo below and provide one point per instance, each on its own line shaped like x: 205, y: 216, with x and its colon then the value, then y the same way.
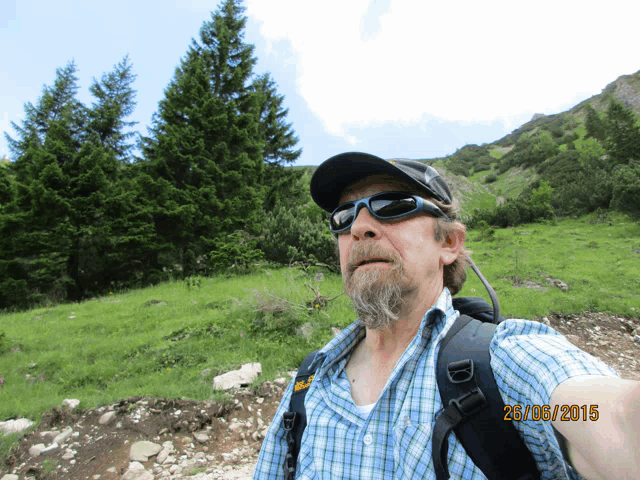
x: 136, y: 471
x: 10, y: 477
x: 637, y: 338
x: 50, y: 448
x: 201, y: 437
x: 335, y: 331
x: 238, y: 378
x: 63, y: 436
x: 15, y: 426
x: 107, y: 418
x: 141, y: 451
x: 164, y: 454
x: 50, y: 434
x: 68, y: 456
x: 546, y: 321
x: 36, y: 449
x: 558, y: 284
x: 71, y: 403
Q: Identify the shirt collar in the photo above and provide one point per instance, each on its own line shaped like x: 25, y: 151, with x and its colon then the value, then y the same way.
x: 348, y: 338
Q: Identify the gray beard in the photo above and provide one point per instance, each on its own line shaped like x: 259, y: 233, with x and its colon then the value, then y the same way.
x: 376, y: 295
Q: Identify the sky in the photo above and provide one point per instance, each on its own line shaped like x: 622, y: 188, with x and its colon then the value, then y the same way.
x: 395, y: 78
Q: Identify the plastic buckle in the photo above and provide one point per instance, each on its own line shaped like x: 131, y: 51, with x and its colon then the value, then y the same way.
x: 474, y: 400
x: 460, y: 371
x: 289, y: 467
x: 289, y: 420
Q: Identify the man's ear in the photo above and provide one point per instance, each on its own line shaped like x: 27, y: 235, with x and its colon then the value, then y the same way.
x: 452, y: 246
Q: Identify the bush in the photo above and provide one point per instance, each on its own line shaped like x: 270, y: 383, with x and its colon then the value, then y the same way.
x: 486, y: 231
x: 626, y: 190
x: 235, y: 251
x: 297, y: 233
x: 492, y: 177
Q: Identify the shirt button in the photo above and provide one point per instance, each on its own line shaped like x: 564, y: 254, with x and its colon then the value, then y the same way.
x: 368, y: 439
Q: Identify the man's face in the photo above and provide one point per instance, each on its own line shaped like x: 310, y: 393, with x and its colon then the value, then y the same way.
x: 413, y: 267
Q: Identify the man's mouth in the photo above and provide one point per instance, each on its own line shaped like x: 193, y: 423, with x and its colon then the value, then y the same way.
x: 372, y: 260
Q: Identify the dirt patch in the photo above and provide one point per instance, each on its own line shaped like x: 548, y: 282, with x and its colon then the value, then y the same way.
x: 611, y: 338
x: 519, y: 283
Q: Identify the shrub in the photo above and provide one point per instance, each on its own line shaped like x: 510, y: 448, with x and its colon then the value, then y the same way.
x: 626, y: 190
x: 492, y: 177
x: 234, y: 250
x: 297, y: 233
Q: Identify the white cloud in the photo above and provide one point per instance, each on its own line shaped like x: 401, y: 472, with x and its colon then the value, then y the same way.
x: 463, y: 61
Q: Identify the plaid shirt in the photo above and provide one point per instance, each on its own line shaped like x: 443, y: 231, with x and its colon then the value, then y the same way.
x: 529, y: 360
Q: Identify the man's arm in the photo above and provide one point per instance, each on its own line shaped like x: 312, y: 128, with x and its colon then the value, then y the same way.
x: 609, y: 447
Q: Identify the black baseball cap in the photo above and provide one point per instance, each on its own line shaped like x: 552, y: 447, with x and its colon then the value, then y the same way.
x: 338, y: 172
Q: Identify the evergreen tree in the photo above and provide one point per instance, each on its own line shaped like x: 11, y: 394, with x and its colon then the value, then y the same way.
x: 37, y: 222
x: 56, y: 102
x: 596, y: 127
x: 113, y: 240
x: 205, y: 149
x: 281, y: 185
x: 623, y: 136
x: 115, y: 100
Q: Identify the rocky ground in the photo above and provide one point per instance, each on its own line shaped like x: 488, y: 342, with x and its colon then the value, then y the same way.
x: 147, y: 438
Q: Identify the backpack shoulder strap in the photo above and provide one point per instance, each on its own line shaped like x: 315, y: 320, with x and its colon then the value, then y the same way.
x: 295, y: 420
x: 473, y: 407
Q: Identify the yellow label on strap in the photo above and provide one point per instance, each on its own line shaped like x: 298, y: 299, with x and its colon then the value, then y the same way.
x: 301, y: 385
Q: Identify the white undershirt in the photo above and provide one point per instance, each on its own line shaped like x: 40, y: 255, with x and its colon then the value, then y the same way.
x: 365, y: 409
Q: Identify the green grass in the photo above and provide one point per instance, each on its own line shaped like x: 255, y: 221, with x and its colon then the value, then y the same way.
x: 129, y: 344
x: 512, y: 182
x: 498, y: 152
x: 599, y: 262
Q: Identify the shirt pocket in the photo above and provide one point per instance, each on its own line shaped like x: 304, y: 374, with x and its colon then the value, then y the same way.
x: 412, y: 452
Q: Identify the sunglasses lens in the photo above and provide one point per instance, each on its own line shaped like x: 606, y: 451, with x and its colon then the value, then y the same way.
x: 342, y: 218
x: 392, y: 205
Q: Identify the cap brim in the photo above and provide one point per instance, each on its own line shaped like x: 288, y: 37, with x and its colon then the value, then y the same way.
x: 338, y: 172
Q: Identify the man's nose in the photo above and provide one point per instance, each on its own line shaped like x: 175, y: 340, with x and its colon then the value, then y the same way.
x: 365, y: 224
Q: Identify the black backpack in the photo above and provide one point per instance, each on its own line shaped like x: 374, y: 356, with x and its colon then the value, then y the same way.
x: 474, y: 409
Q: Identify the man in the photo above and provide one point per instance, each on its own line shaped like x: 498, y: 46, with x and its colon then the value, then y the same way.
x: 372, y: 403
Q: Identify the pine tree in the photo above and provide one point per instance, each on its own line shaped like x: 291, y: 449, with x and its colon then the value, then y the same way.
x: 114, y: 240
x: 595, y: 125
x: 37, y: 222
x: 115, y: 100
x: 57, y: 103
x: 623, y: 136
x: 281, y: 185
x: 205, y: 150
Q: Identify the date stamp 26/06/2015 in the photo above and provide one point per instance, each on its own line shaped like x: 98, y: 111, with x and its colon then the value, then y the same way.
x: 567, y: 413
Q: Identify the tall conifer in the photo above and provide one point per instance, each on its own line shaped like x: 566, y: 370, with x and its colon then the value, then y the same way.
x: 37, y: 223
x: 623, y: 135
x: 282, y: 185
x: 204, y: 141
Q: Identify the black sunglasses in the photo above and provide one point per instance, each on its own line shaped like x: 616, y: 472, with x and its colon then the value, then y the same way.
x: 383, y: 206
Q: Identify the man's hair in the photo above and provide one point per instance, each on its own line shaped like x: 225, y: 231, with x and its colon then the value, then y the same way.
x: 455, y: 274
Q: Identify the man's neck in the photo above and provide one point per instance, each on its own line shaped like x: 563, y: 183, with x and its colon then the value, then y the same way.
x: 384, y: 346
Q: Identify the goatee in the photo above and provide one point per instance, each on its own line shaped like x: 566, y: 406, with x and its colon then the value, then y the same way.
x: 376, y: 294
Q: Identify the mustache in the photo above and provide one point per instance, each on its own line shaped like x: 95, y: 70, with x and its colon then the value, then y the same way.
x: 358, y: 255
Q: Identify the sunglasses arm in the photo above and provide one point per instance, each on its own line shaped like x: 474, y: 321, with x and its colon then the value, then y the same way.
x: 492, y: 293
